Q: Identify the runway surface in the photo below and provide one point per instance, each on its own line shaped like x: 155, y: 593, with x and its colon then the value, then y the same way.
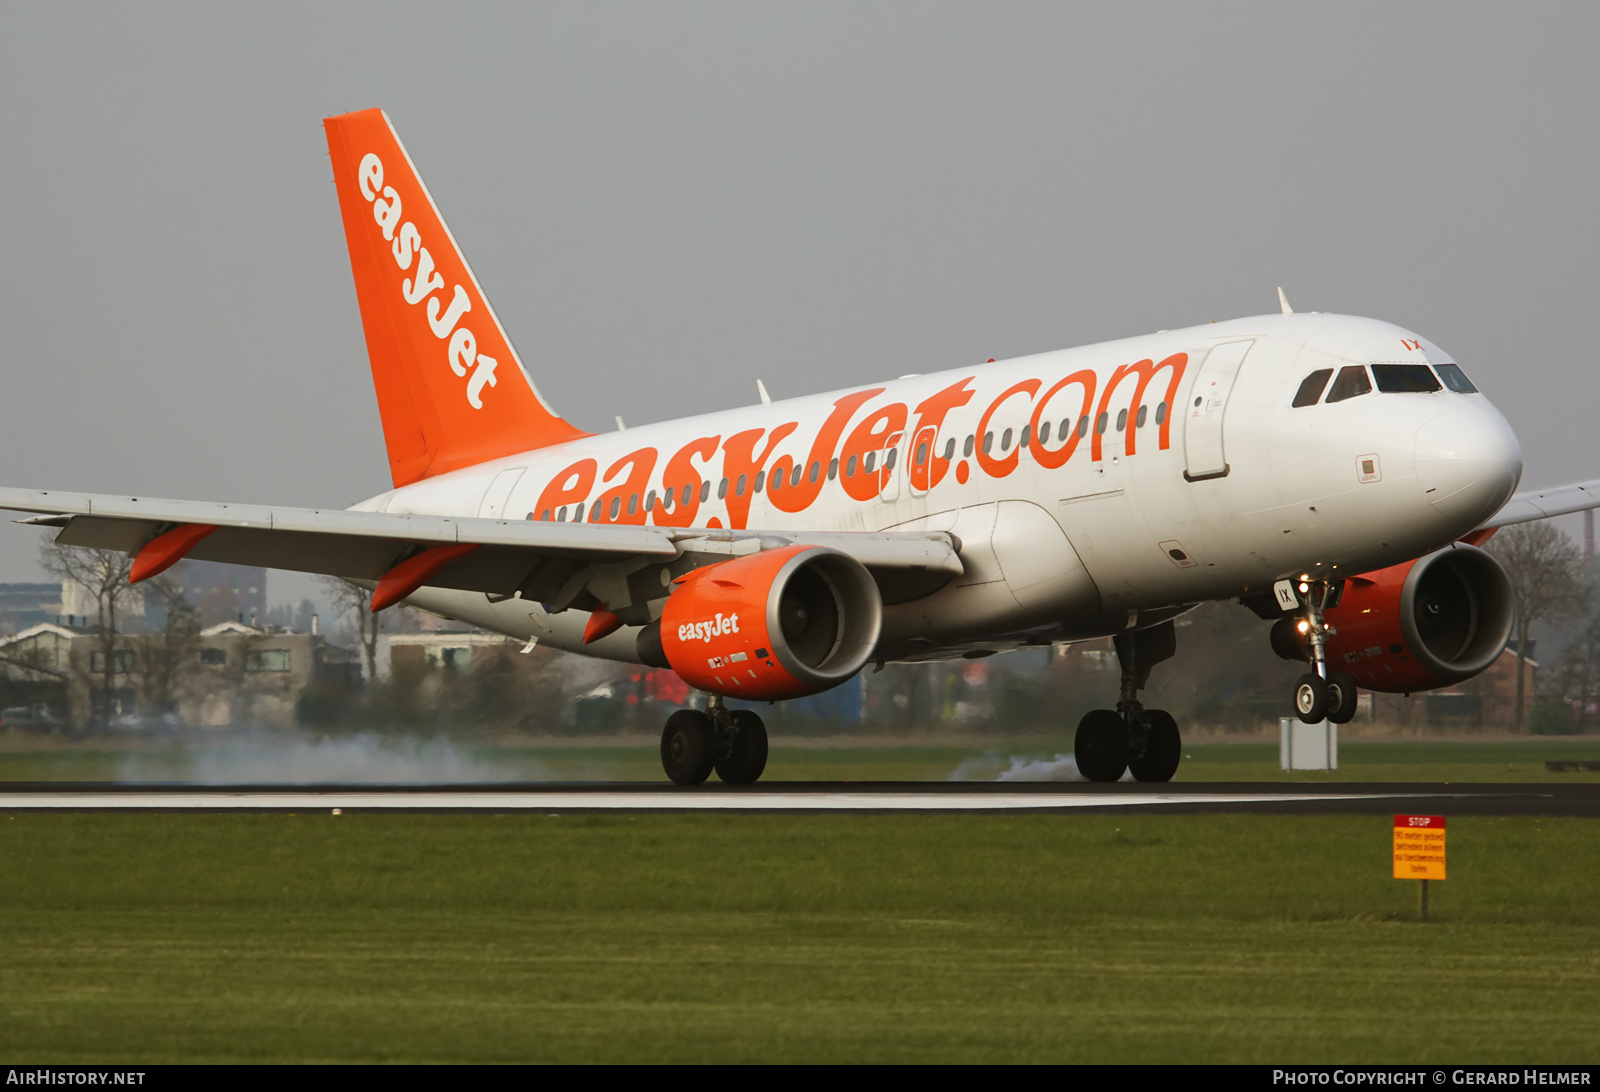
x: 1581, y: 799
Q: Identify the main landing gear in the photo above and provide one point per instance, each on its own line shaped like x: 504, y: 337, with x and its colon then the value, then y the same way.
x: 731, y: 741
x: 1131, y: 737
x: 1320, y: 694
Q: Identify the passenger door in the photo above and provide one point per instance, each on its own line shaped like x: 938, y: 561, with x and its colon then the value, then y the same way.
x: 1203, y: 450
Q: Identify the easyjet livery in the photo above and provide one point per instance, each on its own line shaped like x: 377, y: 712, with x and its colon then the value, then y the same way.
x: 1335, y: 473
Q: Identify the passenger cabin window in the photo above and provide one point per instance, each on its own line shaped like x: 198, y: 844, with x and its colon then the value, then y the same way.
x: 1351, y: 382
x: 1455, y: 379
x: 1311, y: 388
x: 1404, y: 378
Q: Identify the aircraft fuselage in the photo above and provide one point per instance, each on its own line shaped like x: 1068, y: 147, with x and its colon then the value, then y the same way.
x: 1092, y: 489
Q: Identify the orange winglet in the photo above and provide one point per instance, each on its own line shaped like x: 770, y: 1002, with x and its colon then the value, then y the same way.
x: 166, y: 550
x: 408, y: 576
x: 602, y: 623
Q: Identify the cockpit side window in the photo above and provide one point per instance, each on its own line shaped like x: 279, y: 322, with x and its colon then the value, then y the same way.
x: 1455, y: 379
x: 1404, y: 378
x: 1351, y: 382
x: 1311, y: 388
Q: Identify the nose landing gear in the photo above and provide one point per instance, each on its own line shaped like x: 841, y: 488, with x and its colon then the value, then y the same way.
x: 1131, y: 737
x: 731, y: 741
x: 1321, y: 694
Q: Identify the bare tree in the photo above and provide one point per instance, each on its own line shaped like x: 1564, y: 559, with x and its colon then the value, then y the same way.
x: 163, y: 655
x: 103, y: 575
x: 355, y: 601
x: 1546, y: 582
x: 1580, y: 663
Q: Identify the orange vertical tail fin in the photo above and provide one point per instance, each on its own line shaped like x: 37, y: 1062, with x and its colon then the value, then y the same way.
x: 451, y: 390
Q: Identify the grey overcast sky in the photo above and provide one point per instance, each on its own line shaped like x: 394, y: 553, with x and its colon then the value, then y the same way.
x: 666, y: 201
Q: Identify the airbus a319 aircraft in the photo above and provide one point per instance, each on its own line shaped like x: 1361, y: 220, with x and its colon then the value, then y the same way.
x: 1337, y: 474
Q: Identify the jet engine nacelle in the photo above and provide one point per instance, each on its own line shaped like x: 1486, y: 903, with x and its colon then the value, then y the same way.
x: 1424, y: 624
x: 776, y: 624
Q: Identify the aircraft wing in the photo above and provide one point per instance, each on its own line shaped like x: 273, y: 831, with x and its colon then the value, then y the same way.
x: 1559, y: 500
x: 553, y: 563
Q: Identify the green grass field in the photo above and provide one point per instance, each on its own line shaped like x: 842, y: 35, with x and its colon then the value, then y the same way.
x: 135, y: 938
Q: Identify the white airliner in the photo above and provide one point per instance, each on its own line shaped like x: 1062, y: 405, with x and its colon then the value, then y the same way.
x: 1336, y: 473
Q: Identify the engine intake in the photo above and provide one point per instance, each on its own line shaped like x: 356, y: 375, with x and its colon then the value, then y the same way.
x: 777, y: 624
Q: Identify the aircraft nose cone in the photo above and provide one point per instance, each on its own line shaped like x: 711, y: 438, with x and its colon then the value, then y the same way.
x: 1468, y: 463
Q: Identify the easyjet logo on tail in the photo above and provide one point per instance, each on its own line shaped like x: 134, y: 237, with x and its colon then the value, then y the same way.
x: 461, y: 350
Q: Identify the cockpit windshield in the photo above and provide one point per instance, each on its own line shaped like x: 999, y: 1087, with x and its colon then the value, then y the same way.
x: 1404, y: 378
x: 1351, y: 382
x: 1455, y: 379
x: 1311, y: 388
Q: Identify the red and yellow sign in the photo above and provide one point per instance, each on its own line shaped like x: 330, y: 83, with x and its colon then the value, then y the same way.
x: 1419, y: 847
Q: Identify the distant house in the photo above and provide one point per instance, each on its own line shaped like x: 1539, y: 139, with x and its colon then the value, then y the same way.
x: 229, y: 673
x: 420, y: 651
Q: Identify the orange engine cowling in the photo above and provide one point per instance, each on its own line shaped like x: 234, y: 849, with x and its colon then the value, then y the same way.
x: 778, y: 624
x: 1424, y: 624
